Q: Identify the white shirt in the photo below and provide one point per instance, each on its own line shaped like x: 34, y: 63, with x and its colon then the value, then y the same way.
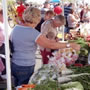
x: 70, y: 22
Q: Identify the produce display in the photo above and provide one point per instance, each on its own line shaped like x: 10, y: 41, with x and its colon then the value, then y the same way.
x: 83, y: 79
x: 45, y: 73
x: 50, y: 85
x: 61, y: 72
x: 62, y: 57
x: 84, y: 51
x: 49, y: 78
x: 74, y: 78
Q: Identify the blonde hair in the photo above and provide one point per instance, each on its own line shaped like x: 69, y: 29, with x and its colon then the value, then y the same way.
x: 32, y: 15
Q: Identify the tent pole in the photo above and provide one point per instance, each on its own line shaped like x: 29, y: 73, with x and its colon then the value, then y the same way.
x: 63, y: 26
x: 8, y: 70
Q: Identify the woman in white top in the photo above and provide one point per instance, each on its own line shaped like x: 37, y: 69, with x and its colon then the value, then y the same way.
x: 72, y: 20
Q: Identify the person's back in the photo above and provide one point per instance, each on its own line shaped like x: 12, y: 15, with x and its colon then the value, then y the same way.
x: 23, y: 39
x: 67, y: 11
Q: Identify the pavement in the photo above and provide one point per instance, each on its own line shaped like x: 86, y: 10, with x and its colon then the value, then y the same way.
x: 38, y: 60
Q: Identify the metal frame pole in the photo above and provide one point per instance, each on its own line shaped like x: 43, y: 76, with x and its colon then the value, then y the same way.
x: 8, y: 69
x: 63, y: 26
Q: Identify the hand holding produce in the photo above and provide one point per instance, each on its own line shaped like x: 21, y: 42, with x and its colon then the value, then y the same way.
x: 75, y: 46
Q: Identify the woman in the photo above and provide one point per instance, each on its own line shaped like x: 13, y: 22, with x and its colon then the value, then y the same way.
x: 25, y: 39
x: 72, y: 20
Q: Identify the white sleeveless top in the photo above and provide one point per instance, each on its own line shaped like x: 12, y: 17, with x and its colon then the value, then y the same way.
x: 70, y: 23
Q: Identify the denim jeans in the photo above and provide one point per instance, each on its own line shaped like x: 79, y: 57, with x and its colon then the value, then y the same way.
x: 21, y: 74
x: 66, y: 30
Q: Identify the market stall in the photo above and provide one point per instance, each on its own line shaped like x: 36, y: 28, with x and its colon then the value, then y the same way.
x: 67, y: 69
x: 61, y: 73
x: 48, y: 78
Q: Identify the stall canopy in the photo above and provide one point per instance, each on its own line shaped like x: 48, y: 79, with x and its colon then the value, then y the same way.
x: 54, y: 1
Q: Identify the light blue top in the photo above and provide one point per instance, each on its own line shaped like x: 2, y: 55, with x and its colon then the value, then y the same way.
x: 24, y: 42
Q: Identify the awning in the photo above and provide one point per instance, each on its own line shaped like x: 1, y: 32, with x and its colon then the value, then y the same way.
x: 54, y: 1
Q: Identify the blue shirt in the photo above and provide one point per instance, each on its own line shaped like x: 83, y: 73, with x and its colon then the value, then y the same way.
x: 67, y: 11
x: 23, y: 39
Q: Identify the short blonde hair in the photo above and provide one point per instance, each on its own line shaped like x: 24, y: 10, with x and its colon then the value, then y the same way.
x: 32, y: 15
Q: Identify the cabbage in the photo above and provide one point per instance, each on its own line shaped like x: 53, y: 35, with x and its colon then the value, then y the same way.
x: 72, y: 86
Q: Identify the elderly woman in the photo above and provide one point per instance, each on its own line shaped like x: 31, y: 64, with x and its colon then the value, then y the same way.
x: 25, y: 39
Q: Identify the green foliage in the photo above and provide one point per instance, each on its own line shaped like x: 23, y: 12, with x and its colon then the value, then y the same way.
x: 50, y: 85
x: 77, y: 70
x: 85, y: 49
x: 85, y: 79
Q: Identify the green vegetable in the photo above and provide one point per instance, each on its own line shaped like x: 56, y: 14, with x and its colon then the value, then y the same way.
x: 71, y: 86
x: 84, y: 51
x: 50, y: 85
x: 78, y: 70
x: 83, y: 79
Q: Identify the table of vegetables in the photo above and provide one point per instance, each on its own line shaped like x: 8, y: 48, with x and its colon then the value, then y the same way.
x: 67, y: 69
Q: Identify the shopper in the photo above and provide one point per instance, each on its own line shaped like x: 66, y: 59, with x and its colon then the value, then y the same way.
x: 49, y: 29
x: 48, y: 15
x: 25, y: 40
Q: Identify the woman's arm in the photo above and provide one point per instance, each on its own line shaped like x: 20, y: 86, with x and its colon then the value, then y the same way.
x: 46, y: 43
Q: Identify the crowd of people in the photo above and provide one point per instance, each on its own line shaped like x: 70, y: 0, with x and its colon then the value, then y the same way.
x: 38, y: 27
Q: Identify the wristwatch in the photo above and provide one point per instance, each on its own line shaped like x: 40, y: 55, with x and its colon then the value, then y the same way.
x: 68, y: 45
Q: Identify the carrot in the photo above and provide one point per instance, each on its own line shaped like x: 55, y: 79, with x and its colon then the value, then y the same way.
x: 29, y: 85
x: 24, y: 88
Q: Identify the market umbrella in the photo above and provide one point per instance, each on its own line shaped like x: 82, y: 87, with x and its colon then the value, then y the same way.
x: 54, y: 1
x: 7, y: 53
